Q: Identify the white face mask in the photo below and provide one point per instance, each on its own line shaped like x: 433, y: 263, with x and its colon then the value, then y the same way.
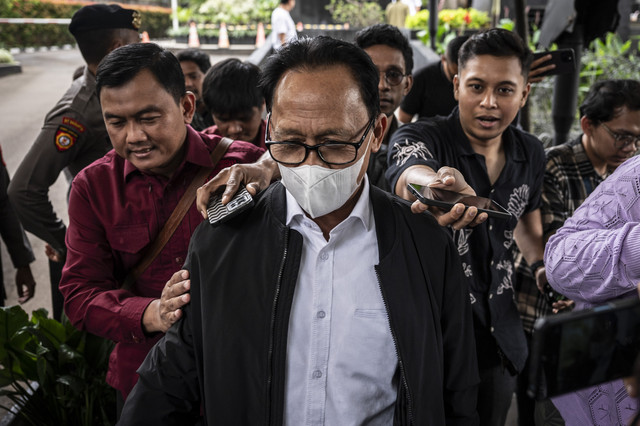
x: 320, y: 190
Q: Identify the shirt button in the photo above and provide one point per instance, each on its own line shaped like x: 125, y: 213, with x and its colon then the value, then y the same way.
x: 490, y: 227
x: 491, y: 296
x: 321, y: 314
x: 492, y: 329
x: 317, y: 374
x: 492, y: 263
x: 324, y: 256
x: 179, y: 260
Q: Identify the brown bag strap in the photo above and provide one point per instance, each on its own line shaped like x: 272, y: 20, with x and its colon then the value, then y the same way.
x: 176, y: 216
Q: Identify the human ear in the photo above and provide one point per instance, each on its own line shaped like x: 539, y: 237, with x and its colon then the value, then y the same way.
x: 188, y: 106
x: 379, y: 131
x: 525, y: 94
x: 586, y: 125
x: 408, y: 84
x: 456, y: 87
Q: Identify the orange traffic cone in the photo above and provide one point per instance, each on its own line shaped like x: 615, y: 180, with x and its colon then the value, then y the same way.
x: 194, y: 41
x: 223, y: 38
x: 260, y: 38
x: 145, y: 37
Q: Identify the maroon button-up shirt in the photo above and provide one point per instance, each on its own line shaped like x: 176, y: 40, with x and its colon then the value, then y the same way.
x: 115, y: 212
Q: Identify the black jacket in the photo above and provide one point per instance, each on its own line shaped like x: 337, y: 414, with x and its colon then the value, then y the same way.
x: 228, y: 353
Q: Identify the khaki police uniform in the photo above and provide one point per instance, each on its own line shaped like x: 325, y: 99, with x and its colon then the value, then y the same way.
x: 73, y: 136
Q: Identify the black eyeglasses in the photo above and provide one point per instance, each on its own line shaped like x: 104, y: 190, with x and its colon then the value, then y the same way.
x: 331, y: 152
x: 622, y: 140
x: 393, y: 77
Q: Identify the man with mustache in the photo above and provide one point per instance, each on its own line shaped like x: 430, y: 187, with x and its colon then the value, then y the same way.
x: 355, y: 311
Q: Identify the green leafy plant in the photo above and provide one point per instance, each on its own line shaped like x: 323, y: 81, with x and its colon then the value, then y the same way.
x: 607, y: 58
x: 610, y: 58
x: 52, y: 372
x: 451, y: 22
x: 5, y: 57
x: 233, y: 12
x: 155, y: 20
x: 358, y: 14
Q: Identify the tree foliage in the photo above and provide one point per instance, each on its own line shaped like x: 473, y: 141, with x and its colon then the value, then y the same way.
x: 358, y: 14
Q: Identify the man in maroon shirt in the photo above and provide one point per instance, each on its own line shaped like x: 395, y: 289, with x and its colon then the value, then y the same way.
x: 119, y: 204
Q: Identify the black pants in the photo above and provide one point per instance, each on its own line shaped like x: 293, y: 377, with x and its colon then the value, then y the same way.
x: 495, y: 394
x: 57, y: 301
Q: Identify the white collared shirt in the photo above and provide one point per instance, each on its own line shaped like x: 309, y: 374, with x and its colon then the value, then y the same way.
x: 341, y: 359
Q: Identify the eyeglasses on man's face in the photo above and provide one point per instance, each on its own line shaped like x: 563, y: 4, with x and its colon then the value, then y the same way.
x: 393, y: 76
x: 292, y: 153
x: 623, y: 140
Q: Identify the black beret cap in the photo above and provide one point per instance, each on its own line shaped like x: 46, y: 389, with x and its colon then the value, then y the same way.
x: 103, y: 16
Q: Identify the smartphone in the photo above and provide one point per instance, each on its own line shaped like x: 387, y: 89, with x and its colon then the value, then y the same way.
x: 577, y: 350
x: 445, y: 200
x: 564, y: 59
x: 219, y: 213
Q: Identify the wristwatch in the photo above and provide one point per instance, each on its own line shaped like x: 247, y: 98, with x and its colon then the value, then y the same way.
x: 537, y: 265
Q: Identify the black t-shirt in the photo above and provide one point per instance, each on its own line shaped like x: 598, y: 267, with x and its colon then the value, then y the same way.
x: 431, y: 94
x: 487, y: 249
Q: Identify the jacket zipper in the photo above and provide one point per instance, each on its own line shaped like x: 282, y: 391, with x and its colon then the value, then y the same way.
x: 395, y: 346
x: 273, y: 324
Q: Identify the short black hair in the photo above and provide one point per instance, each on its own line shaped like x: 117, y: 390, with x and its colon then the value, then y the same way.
x: 284, y: 1
x: 453, y: 48
x: 196, y: 56
x: 124, y: 63
x: 231, y: 87
x: 95, y: 45
x: 322, y: 51
x: 387, y: 35
x: 496, y: 42
x: 606, y: 97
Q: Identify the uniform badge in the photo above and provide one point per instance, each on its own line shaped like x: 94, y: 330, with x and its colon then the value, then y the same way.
x: 73, y: 123
x: 65, y: 138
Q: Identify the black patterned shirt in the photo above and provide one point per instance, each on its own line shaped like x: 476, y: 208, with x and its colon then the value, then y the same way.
x: 487, y: 249
x: 569, y: 178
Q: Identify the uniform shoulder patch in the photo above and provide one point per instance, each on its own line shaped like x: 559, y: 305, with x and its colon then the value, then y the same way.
x: 65, y: 138
x: 73, y: 123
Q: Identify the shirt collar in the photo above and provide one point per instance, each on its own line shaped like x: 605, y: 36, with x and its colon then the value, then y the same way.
x: 362, y: 211
x: 196, y: 153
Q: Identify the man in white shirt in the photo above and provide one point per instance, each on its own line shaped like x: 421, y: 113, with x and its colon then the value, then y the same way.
x: 283, y: 29
x: 329, y: 302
